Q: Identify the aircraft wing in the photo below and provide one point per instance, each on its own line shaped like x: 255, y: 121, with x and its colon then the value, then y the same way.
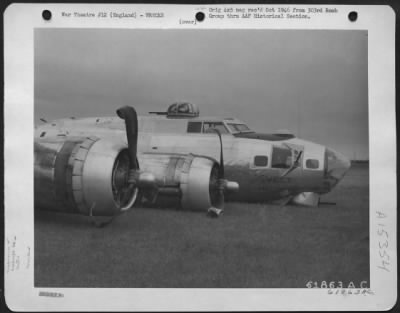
x: 101, y: 178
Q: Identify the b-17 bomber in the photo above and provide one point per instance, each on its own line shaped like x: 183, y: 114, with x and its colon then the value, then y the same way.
x: 101, y: 166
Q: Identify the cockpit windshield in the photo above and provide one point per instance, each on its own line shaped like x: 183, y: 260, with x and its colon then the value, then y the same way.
x: 238, y: 128
x: 208, y: 126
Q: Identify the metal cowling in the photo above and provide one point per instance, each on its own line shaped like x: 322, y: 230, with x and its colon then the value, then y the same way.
x: 185, y: 177
x: 79, y: 175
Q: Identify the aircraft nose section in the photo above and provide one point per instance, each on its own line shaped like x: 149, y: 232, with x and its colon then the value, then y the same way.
x: 337, y: 166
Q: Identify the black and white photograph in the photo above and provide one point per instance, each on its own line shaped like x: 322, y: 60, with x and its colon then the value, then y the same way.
x: 290, y: 174
x: 173, y: 158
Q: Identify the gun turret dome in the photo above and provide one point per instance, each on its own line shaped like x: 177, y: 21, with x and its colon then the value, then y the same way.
x: 180, y: 109
x: 183, y: 109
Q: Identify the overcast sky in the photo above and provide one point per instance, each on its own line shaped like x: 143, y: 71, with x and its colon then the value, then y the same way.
x: 314, y: 83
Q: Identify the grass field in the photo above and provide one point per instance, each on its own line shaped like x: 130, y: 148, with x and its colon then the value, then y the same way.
x: 252, y: 245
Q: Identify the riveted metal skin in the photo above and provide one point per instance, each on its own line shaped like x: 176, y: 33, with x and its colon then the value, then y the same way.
x: 53, y: 174
x: 97, y: 177
x: 184, y: 176
x: 76, y: 175
x: 195, y: 184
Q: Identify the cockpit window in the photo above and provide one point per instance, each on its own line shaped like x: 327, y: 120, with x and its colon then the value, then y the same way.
x: 238, y: 128
x: 194, y: 127
x: 281, y: 158
x: 217, y: 125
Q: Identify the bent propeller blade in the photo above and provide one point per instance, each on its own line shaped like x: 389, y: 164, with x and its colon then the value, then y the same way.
x: 129, y: 114
x: 221, y: 172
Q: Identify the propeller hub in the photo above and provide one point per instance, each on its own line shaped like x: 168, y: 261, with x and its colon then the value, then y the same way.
x: 231, y: 186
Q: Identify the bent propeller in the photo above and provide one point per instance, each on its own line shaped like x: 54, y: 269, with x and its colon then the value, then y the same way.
x: 221, y: 185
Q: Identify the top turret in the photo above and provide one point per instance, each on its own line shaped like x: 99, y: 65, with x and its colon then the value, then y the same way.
x: 180, y: 110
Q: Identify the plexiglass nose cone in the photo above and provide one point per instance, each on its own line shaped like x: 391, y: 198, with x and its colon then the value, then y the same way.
x: 337, y: 166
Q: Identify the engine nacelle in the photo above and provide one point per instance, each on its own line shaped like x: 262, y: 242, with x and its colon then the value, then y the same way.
x: 189, y: 177
x: 82, y: 175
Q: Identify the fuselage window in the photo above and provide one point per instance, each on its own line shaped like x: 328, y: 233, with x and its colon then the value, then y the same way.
x: 217, y: 125
x: 261, y: 161
x: 281, y: 158
x: 194, y: 127
x: 312, y: 164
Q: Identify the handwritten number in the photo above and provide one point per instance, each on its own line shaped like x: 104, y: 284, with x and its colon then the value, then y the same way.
x: 385, y: 245
x: 382, y: 231
x: 384, y: 254
x: 380, y: 214
x: 384, y: 268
